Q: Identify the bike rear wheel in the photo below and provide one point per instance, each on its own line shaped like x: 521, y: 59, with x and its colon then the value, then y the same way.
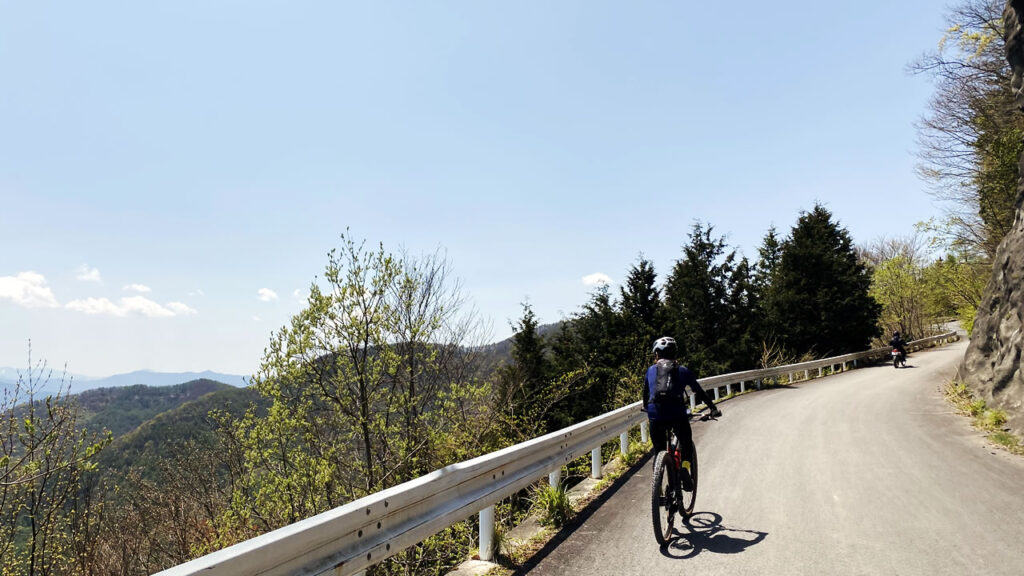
x: 690, y: 498
x: 662, y: 506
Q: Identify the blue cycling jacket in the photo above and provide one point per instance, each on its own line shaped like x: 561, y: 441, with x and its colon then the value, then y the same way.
x: 675, y: 410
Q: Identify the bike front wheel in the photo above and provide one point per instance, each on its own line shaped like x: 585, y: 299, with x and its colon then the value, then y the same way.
x: 663, y: 509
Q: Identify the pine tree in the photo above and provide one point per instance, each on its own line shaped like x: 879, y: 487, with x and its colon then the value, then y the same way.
x: 696, y: 302
x: 819, y: 299
x: 641, y: 311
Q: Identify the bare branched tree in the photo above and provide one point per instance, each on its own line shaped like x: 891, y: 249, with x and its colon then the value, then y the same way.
x: 970, y: 139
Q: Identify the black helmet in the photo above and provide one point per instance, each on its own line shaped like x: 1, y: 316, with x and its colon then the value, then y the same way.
x: 665, y: 347
x: 896, y: 334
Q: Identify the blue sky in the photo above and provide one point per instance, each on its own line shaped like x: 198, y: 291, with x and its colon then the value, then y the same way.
x: 171, y: 173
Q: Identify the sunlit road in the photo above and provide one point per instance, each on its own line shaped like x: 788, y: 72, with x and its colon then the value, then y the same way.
x: 867, y: 472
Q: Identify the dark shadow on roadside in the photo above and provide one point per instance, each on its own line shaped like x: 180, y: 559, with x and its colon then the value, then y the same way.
x: 581, y: 516
x: 704, y: 532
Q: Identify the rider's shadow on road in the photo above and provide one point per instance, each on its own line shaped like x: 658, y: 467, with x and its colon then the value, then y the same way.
x: 706, y: 533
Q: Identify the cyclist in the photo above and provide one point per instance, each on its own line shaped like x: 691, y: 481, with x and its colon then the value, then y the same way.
x: 672, y: 411
x: 899, y: 343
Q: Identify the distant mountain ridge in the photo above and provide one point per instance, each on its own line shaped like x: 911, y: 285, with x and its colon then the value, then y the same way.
x: 151, y: 378
x: 79, y: 383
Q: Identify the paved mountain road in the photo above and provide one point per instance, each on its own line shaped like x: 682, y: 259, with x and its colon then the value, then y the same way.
x: 866, y: 472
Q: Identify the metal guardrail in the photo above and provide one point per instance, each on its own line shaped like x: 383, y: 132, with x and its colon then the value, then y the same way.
x: 364, y: 532
x: 713, y: 384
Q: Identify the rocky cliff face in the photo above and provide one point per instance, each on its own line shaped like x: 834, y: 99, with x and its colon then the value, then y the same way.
x: 992, y: 365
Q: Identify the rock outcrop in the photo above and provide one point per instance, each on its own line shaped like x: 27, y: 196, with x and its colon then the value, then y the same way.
x: 992, y: 365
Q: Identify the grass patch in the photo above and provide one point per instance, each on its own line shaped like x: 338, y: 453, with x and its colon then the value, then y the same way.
x: 553, y: 506
x: 988, y: 420
x: 636, y: 453
x: 1008, y: 441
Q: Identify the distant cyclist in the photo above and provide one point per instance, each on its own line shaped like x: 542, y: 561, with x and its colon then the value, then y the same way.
x: 899, y: 343
x: 667, y: 405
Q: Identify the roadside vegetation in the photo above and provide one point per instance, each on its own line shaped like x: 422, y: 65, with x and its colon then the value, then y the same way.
x: 989, y: 421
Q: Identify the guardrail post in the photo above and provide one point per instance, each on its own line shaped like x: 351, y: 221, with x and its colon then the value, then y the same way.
x: 790, y: 378
x: 741, y: 388
x: 759, y: 383
x: 819, y: 371
x: 854, y: 362
x: 595, y: 462
x: 693, y: 403
x: 623, y: 443
x: 487, y: 534
x: 643, y: 432
x: 807, y: 374
x: 728, y: 389
x: 555, y: 478
x: 716, y: 393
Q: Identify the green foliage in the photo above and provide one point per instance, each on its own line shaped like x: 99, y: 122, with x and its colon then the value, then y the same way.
x: 971, y: 138
x: 819, y: 301
x: 955, y: 285
x: 984, y: 418
x: 710, y: 305
x: 120, y: 410
x: 372, y: 384
x: 552, y: 505
x: 438, y: 554
x: 898, y: 285
x: 993, y: 419
x: 637, y: 451
x: 46, y: 519
x: 642, y: 315
x: 156, y: 438
x: 1008, y: 441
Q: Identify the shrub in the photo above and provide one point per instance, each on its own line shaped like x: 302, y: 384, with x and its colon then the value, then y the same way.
x: 552, y: 505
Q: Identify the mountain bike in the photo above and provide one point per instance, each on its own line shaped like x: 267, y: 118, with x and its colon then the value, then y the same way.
x: 667, y: 495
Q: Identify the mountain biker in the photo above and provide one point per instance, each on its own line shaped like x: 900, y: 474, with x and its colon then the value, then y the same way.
x: 898, y: 343
x: 672, y: 411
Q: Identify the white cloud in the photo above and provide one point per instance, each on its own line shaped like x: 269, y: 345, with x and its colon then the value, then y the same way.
x: 596, y: 279
x: 28, y: 289
x: 145, y: 306
x: 197, y: 292
x: 266, y: 294
x: 181, y: 309
x: 140, y: 288
x: 86, y: 274
x: 96, y: 306
x: 132, y: 304
x: 257, y: 319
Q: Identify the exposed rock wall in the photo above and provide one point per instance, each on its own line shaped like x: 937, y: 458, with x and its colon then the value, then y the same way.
x: 992, y: 365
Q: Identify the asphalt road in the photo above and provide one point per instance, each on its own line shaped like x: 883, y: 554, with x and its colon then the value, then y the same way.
x: 866, y: 472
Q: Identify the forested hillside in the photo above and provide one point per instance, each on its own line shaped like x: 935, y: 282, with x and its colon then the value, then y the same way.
x: 123, y: 409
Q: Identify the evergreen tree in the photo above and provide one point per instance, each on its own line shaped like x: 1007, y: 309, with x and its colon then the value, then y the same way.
x: 697, y: 302
x: 591, y: 342
x: 641, y: 312
x: 769, y: 255
x: 819, y: 299
x: 530, y: 397
x: 744, y: 322
x: 528, y: 350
